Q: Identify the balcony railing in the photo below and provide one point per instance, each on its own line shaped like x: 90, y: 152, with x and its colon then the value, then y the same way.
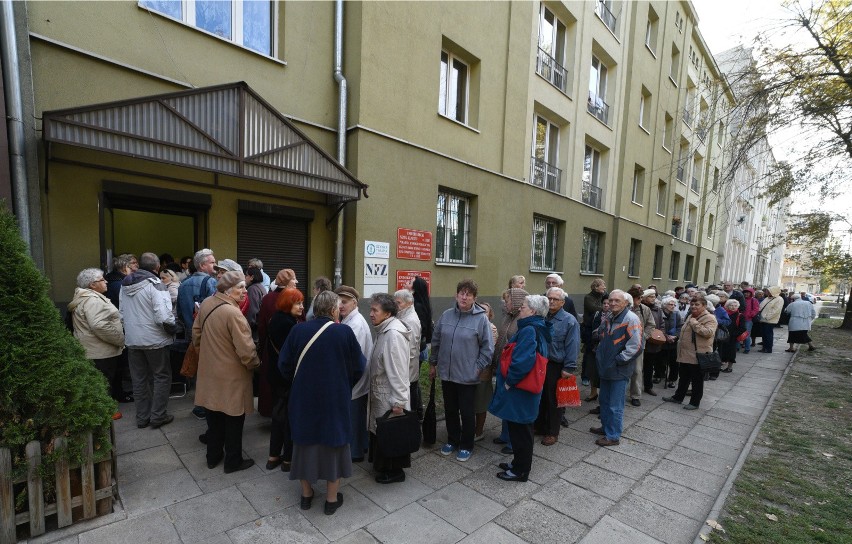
x: 695, y: 184
x: 689, y: 234
x: 545, y: 175
x: 605, y: 14
x: 547, y: 67
x: 598, y: 108
x: 687, y: 116
x: 676, y: 230
x: 680, y: 173
x: 592, y: 194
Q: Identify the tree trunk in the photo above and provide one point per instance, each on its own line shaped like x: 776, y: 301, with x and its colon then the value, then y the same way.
x: 847, y: 318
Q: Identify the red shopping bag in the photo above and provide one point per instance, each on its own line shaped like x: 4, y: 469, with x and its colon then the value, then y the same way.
x: 743, y: 336
x: 567, y: 393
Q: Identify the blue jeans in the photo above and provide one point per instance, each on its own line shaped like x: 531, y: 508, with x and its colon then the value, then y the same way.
x: 611, y: 396
x: 747, y: 343
x: 768, y: 336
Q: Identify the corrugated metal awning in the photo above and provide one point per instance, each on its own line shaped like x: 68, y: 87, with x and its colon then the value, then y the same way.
x: 228, y: 129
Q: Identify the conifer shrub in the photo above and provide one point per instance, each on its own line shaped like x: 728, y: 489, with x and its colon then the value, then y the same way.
x: 48, y: 388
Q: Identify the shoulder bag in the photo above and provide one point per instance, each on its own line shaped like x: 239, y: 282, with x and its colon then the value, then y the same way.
x: 280, y: 411
x: 397, y: 435
x: 430, y: 420
x: 533, y: 382
x: 189, y: 368
x: 709, y: 362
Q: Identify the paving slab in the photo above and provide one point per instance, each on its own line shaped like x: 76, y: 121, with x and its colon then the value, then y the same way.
x: 675, y: 497
x: 640, y: 450
x: 690, y: 477
x: 141, y: 464
x: 392, y: 497
x: 287, y: 526
x: 463, y: 507
x: 563, y: 454
x: 729, y: 415
x: 637, y: 433
x: 356, y: 512
x: 699, y: 460
x: 535, y: 522
x: 578, y: 503
x: 654, y: 520
x: 433, y: 470
x: 577, y: 439
x: 138, y: 439
x: 360, y: 536
x: 491, y: 533
x: 414, y: 524
x: 675, y: 430
x: 719, y: 436
x: 210, y: 514
x: 717, y: 449
x: 603, y: 482
x: 609, y: 530
x: 610, y: 459
x: 271, y: 493
x: 214, y: 479
x: 673, y: 413
x: 730, y: 427
x: 154, y: 528
x: 158, y: 491
x: 485, y: 481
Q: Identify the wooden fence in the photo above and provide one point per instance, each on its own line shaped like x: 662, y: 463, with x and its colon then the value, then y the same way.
x: 82, y: 492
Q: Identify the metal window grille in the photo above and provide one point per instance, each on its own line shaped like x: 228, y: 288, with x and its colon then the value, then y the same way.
x: 544, y: 244
x: 589, y: 259
x: 452, y: 243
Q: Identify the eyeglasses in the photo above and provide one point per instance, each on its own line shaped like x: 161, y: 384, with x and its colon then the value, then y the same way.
x: 100, y: 280
x: 556, y: 299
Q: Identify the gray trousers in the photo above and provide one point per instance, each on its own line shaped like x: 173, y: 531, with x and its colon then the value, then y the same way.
x: 151, y: 372
x: 636, y: 379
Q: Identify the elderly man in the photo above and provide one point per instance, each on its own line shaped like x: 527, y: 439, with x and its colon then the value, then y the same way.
x: 555, y: 280
x: 350, y: 316
x: 257, y: 263
x: 146, y: 310
x: 462, y: 346
x: 621, y: 341
x: 405, y: 304
x: 562, y: 352
x: 592, y: 304
x: 645, y: 316
x: 728, y: 288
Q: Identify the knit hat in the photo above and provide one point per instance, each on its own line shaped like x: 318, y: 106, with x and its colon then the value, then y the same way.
x: 229, y: 279
x: 648, y: 293
x: 346, y: 291
x: 284, y: 277
x: 516, y: 298
x: 228, y: 265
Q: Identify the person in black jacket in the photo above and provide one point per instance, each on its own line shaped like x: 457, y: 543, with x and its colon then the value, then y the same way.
x: 555, y: 280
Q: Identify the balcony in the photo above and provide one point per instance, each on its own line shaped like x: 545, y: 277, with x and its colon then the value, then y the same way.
x: 592, y: 194
x: 695, y: 184
x: 605, y: 14
x: 598, y: 108
x: 547, y: 67
x: 687, y: 117
x: 676, y: 230
x: 689, y: 233
x: 545, y: 175
x: 680, y: 173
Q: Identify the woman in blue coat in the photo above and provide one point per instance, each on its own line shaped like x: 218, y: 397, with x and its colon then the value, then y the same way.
x: 519, y: 408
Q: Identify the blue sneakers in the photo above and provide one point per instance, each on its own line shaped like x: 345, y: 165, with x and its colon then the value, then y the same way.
x: 448, y: 449
x: 463, y: 455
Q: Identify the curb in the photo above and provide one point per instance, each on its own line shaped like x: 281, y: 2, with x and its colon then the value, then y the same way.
x: 732, y: 476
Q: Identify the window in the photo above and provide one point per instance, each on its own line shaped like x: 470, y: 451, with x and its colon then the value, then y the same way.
x: 675, y: 265
x: 668, y: 132
x: 638, y: 185
x: 592, y: 192
x: 721, y: 135
x: 697, y: 167
x: 590, y: 257
x: 715, y: 187
x: 706, y: 270
x: 551, y: 50
x: 645, y: 109
x: 452, y: 244
x: 677, y: 217
x: 604, y: 10
x: 687, y: 268
x: 711, y: 225
x: 651, y: 30
x: 662, y: 196
x: 545, y: 155
x: 689, y: 107
x: 674, y: 71
x: 452, y: 100
x: 248, y: 23
x: 544, y: 244
x: 596, y: 104
x: 681, y: 161
x: 635, y: 255
x: 692, y: 220
x: 658, y: 262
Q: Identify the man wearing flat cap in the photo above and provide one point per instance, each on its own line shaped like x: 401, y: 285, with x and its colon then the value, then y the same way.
x: 350, y: 316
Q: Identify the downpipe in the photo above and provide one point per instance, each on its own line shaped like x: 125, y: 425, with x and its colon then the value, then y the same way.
x: 341, y: 131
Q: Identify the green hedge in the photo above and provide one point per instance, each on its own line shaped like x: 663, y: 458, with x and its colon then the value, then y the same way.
x: 47, y: 386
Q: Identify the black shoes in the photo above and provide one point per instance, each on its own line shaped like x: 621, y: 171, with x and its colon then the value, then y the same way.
x: 672, y: 399
x: 270, y: 465
x: 143, y: 425
x: 165, y: 421
x: 331, y: 507
x: 214, y: 464
x: 507, y: 476
x: 246, y: 463
x: 635, y: 402
x: 505, y: 466
x: 305, y: 502
x: 564, y: 422
x: 651, y: 392
x: 202, y: 438
x: 498, y: 440
x: 597, y: 430
x: 595, y: 410
x: 389, y: 477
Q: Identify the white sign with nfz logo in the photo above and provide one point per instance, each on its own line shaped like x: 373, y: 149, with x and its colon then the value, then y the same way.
x: 376, y: 255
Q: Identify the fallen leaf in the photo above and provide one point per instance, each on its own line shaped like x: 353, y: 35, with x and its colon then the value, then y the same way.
x: 829, y: 455
x: 715, y: 525
x: 704, y: 537
x: 814, y: 377
x: 771, y: 517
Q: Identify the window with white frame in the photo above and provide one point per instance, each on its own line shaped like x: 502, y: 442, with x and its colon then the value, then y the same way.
x: 674, y: 70
x: 545, y: 158
x: 544, y: 244
x: 668, y: 132
x: 662, y: 196
x: 552, y: 44
x: 590, y: 256
x: 645, y: 109
x: 452, y: 236
x: 638, y: 185
x: 596, y: 104
x: 249, y: 23
x: 651, y: 30
x: 591, y: 190
x: 453, y: 97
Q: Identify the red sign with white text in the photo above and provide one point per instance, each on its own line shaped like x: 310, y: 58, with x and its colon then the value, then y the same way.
x: 414, y: 244
x: 405, y: 277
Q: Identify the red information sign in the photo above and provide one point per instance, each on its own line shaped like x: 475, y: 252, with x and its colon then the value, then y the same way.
x: 414, y: 244
x: 405, y: 277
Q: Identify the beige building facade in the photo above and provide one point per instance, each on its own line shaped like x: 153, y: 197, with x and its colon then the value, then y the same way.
x: 583, y: 138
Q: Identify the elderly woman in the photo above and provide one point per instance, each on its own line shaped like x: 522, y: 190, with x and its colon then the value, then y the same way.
x: 728, y: 350
x: 513, y: 298
x: 97, y: 325
x: 290, y: 305
x: 517, y: 407
x: 672, y: 324
x: 255, y: 292
x: 683, y: 305
x: 485, y: 388
x: 801, y: 313
x: 722, y: 322
x: 171, y: 281
x: 320, y: 362
x: 226, y: 360
x: 696, y: 336
x: 770, y: 312
x: 406, y: 313
x: 389, y: 381
x: 654, y: 354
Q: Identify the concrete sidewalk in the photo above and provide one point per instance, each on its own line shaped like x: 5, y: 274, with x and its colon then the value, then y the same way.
x: 658, y: 486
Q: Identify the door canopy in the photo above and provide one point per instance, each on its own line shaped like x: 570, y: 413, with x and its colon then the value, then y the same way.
x: 227, y: 129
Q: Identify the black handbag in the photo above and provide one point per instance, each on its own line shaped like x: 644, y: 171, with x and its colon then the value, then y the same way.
x: 430, y: 419
x: 722, y: 334
x: 708, y: 362
x: 397, y: 435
